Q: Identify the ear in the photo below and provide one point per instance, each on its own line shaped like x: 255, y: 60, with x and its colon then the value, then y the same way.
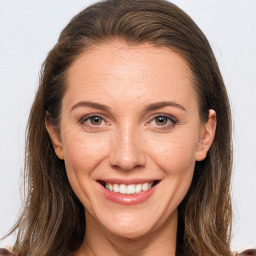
x: 55, y: 137
x: 206, y: 137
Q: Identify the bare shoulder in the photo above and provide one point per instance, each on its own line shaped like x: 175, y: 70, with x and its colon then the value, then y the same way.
x: 5, y: 252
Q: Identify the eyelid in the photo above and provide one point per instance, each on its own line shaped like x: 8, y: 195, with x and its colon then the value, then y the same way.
x: 86, y: 117
x: 171, y: 118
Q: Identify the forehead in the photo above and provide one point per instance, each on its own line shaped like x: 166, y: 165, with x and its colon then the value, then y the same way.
x: 129, y: 56
x: 125, y: 71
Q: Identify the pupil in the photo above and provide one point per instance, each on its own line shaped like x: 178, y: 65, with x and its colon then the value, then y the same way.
x: 161, y: 120
x: 96, y: 120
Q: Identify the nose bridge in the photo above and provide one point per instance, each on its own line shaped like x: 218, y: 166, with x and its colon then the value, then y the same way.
x: 127, y: 151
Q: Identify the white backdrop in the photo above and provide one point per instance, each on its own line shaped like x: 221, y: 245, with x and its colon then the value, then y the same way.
x: 29, y: 29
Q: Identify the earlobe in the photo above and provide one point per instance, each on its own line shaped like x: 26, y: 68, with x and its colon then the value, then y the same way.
x: 55, y: 138
x: 207, y: 136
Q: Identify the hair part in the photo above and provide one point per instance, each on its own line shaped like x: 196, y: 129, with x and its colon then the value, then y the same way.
x: 53, y: 222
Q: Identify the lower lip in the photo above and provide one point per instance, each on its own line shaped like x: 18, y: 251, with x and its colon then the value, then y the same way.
x: 127, y: 199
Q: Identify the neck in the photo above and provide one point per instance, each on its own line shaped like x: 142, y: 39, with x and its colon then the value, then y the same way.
x: 100, y: 242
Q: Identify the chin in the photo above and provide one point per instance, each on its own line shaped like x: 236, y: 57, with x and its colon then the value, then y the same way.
x: 132, y: 232
x: 136, y: 223
x: 126, y: 223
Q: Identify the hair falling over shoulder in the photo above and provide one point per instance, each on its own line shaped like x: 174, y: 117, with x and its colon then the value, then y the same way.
x: 52, y: 222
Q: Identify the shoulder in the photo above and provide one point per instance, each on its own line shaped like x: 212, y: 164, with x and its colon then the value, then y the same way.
x: 248, y: 252
x: 5, y: 252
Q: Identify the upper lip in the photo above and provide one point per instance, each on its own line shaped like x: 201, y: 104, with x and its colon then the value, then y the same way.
x: 128, y: 181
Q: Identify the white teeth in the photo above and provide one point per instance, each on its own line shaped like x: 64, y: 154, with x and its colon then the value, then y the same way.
x: 145, y: 186
x: 129, y: 189
x: 116, y: 188
x: 122, y: 189
x: 138, y: 188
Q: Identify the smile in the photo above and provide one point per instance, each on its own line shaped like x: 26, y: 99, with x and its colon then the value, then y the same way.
x: 128, y: 189
x: 127, y: 194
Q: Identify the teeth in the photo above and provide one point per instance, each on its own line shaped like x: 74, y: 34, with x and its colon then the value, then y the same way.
x: 145, y: 186
x: 138, y: 188
x: 116, y: 188
x: 128, y: 189
x: 122, y: 189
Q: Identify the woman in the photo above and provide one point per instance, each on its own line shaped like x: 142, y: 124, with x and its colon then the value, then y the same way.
x: 124, y: 154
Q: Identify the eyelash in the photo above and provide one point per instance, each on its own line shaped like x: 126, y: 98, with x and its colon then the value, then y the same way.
x: 170, y: 125
x: 172, y: 121
x: 89, y: 117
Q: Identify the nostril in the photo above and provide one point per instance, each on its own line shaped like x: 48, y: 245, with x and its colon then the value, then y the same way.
x: 127, y: 156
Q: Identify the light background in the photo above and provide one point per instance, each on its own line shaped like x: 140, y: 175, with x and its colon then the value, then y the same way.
x: 29, y: 29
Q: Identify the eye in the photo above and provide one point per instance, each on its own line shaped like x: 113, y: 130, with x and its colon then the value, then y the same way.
x: 94, y: 120
x: 163, y: 121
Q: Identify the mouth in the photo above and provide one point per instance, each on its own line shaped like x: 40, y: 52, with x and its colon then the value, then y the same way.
x: 128, y: 189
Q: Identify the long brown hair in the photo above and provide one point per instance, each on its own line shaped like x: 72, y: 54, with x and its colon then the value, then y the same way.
x: 53, y: 222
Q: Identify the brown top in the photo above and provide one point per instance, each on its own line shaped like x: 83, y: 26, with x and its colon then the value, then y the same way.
x: 244, y: 253
x: 4, y: 252
x: 252, y: 252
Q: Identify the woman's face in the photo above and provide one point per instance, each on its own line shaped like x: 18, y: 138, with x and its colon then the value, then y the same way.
x: 130, y: 134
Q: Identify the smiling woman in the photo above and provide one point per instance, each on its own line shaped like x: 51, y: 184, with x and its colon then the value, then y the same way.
x: 129, y: 139
x: 130, y: 123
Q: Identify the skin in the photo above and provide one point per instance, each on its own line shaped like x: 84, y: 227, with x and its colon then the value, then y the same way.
x: 127, y: 142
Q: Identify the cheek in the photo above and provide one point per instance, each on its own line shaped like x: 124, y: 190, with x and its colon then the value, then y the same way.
x: 83, y: 153
x: 174, y: 153
x: 82, y: 156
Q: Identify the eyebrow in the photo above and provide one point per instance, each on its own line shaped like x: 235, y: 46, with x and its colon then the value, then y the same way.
x: 148, y: 108
x: 91, y: 105
x: 158, y: 105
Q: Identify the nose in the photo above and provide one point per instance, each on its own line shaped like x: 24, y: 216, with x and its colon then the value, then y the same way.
x: 127, y: 151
